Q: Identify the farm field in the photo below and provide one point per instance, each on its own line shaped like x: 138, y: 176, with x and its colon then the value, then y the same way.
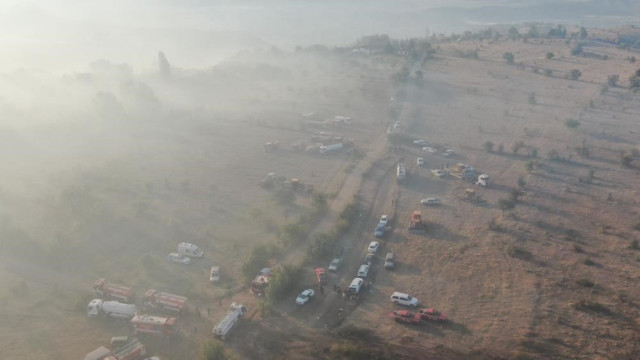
x: 543, y: 263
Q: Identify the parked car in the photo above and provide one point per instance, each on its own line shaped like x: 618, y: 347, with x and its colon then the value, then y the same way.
x: 305, y: 297
x: 430, y: 202
x: 421, y: 142
x: 178, y: 259
x: 389, y: 262
x: 369, y: 258
x: 214, y: 274
x: 380, y: 229
x: 335, y: 264
x: 420, y: 161
x: 373, y: 247
x: 363, y: 271
x: 384, y: 219
x: 429, y: 149
x: 404, y: 299
x: 355, y: 286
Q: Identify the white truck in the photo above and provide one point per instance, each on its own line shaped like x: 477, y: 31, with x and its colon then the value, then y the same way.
x: 190, y: 250
x: 111, y: 309
x: 329, y: 148
x: 236, y: 312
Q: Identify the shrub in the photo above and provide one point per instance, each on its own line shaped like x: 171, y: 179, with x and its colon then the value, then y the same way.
x: 577, y: 248
x: 586, y: 283
x: 212, y: 350
x: 571, y: 123
x: 509, y: 57
x: 283, y: 280
x: 575, y: 74
x: 589, y: 262
x: 501, y: 148
x: 516, y: 146
x: 548, y: 72
x: 634, y: 244
x: 350, y: 350
x: 488, y: 146
x: 612, y: 80
x: 493, y: 225
x: 550, y: 55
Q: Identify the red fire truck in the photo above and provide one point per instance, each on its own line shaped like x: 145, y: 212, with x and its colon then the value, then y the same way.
x: 154, y: 325
x: 107, y: 289
x: 155, y: 299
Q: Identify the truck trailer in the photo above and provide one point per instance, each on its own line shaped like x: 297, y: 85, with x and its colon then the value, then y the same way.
x: 155, y: 299
x: 111, y: 309
x: 132, y: 350
x: 106, y: 289
x: 236, y: 312
x: 154, y: 325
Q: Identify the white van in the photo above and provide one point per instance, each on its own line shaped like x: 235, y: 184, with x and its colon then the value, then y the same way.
x: 404, y: 299
x: 363, y: 271
x: 355, y: 286
x: 190, y: 250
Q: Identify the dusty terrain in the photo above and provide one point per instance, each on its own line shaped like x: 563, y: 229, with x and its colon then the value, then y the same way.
x: 555, y: 278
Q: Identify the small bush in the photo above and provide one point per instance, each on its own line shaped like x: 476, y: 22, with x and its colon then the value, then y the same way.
x: 493, y: 225
x: 637, y: 226
x: 577, y: 248
x: 571, y: 123
x: 350, y: 350
x: 586, y: 283
x: 634, y: 244
x: 589, y: 262
x: 592, y: 306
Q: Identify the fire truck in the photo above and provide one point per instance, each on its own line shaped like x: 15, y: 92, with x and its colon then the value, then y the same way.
x: 107, y: 289
x: 154, y: 325
x: 155, y: 299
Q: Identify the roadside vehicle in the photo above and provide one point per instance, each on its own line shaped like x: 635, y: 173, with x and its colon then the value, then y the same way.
x: 356, y: 285
x: 384, y: 219
x: 404, y: 299
x: 430, y: 202
x: 305, y: 297
x: 380, y: 230
x: 420, y: 161
x: 335, y: 264
x: 178, y: 259
x: 405, y: 316
x: 373, y: 247
x: 389, y: 262
x: 363, y: 271
x: 432, y: 314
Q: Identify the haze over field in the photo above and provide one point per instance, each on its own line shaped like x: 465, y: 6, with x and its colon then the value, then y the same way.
x: 210, y: 161
x: 66, y: 35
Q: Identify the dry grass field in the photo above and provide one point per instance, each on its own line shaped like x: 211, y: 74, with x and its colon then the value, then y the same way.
x: 556, y: 276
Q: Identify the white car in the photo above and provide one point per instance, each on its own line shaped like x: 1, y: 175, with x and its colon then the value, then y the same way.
x: 305, y: 296
x: 178, y: 259
x: 384, y: 219
x: 429, y: 149
x: 335, y: 264
x: 421, y: 142
x: 430, y: 202
x: 404, y: 299
x: 373, y: 247
x: 363, y: 271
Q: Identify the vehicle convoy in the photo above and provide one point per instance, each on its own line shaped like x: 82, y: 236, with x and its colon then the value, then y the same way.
x: 190, y: 250
x: 405, y: 316
x: 113, y: 309
x: 401, y: 171
x: 416, y: 224
x: 154, y: 325
x: 155, y: 299
x: 132, y: 350
x: 321, y: 274
x: 305, y: 297
x: 106, y: 289
x: 432, y: 314
x: 236, y: 312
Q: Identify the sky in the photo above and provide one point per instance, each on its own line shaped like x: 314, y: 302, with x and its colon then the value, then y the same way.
x: 67, y: 35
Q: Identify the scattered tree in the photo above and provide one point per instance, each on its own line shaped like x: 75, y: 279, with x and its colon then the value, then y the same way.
x: 571, y: 123
x: 583, y: 33
x: 514, y: 33
x: 530, y: 165
x: 550, y: 55
x: 521, y: 182
x: 548, y: 72
x: 488, y: 146
x: 553, y: 154
x: 575, y: 74
x: 211, y: 350
x: 509, y: 57
x: 516, y: 146
x: 612, y: 80
x: 577, y: 50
